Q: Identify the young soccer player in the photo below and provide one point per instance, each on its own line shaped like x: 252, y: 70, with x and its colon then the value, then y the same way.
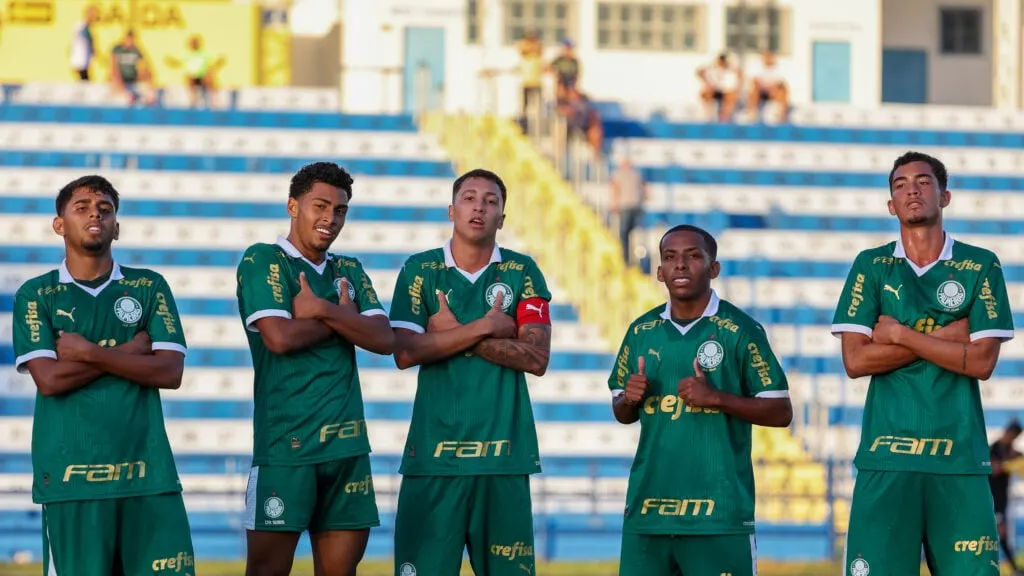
x: 475, y: 318
x: 100, y: 342
x: 305, y: 311
x: 696, y: 373
x: 923, y: 461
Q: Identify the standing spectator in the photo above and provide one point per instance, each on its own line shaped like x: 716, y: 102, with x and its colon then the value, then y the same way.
x: 83, y: 45
x: 628, y: 192
x: 200, y: 69
x: 129, y: 69
x: 531, y: 69
x: 769, y: 84
x: 1000, y: 452
x: 721, y: 84
x: 566, y: 68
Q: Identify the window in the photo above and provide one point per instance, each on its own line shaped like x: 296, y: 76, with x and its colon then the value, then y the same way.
x: 553, y: 20
x: 756, y: 29
x: 662, y: 27
x: 960, y: 30
x: 473, y: 21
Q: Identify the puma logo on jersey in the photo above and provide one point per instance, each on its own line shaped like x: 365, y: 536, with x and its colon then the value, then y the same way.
x: 895, y: 291
x: 70, y: 315
x: 538, y: 309
x: 654, y: 353
x: 249, y: 259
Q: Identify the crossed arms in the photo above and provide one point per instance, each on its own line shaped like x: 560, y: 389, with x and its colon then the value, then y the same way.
x: 893, y: 345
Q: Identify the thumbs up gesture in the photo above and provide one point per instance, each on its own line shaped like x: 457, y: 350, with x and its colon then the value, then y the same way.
x: 306, y: 304
x: 501, y: 324
x: 695, y: 391
x: 444, y: 318
x: 636, y: 386
x: 345, y: 294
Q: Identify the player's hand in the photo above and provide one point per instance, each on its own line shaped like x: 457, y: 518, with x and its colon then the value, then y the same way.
x: 501, y: 325
x: 958, y: 331
x: 306, y: 304
x: 141, y: 344
x: 344, y: 300
x: 444, y: 318
x: 73, y: 347
x: 636, y: 386
x: 887, y: 331
x: 694, y: 390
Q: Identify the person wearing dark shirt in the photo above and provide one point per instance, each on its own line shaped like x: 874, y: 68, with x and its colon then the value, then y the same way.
x: 566, y: 68
x: 128, y: 68
x: 1000, y: 452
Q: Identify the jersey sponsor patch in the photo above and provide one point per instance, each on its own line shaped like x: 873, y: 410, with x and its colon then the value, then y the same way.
x: 533, y: 311
x: 492, y: 294
x: 128, y: 310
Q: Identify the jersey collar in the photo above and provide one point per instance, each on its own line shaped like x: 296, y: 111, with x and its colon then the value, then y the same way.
x: 449, y: 261
x: 947, y: 254
x: 710, y: 310
x: 64, y: 277
x: 292, y: 251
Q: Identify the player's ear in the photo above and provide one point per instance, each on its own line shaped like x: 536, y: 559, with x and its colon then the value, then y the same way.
x: 714, y: 270
x: 661, y: 277
x: 451, y: 212
x: 944, y: 198
x: 892, y: 209
x: 293, y: 207
x: 501, y: 221
x: 58, y: 226
x: 117, y: 230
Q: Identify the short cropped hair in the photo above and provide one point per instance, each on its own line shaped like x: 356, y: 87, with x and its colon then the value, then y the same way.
x: 709, y: 241
x: 938, y: 168
x: 484, y: 174
x: 325, y: 172
x: 92, y: 182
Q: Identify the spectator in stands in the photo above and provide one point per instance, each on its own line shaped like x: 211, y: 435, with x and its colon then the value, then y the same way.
x: 721, y: 83
x: 582, y: 118
x: 1000, y: 452
x: 531, y: 69
x: 83, y: 45
x: 566, y: 69
x: 200, y: 71
x: 130, y: 71
x: 769, y: 85
x: 628, y: 192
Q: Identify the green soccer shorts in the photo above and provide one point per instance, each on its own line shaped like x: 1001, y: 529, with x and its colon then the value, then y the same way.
x: 335, y: 495
x: 440, y: 516
x: 685, y: 555
x: 894, y: 513
x: 118, y: 536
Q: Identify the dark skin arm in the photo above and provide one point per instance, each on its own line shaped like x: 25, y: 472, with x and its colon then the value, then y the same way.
x: 161, y: 369
x: 975, y: 360
x: 59, y: 377
x: 371, y: 333
x: 626, y: 407
x: 864, y: 356
x: 287, y: 335
x: 771, y: 412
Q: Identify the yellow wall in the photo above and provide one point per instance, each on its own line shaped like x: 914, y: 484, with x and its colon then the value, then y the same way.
x: 35, y: 37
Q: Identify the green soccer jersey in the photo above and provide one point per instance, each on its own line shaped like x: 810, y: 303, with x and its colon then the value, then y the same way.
x: 470, y: 417
x: 923, y: 418
x: 308, y: 406
x: 107, y: 439
x: 692, y: 472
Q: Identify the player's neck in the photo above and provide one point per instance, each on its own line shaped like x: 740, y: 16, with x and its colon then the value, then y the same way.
x: 923, y: 244
x: 471, y: 257
x: 689, y: 309
x: 86, y: 267
x: 311, y: 254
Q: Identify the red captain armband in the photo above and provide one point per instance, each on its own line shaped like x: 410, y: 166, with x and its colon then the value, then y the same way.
x: 533, y: 311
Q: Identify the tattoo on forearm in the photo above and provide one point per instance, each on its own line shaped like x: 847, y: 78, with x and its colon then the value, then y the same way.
x: 964, y: 363
x: 528, y: 353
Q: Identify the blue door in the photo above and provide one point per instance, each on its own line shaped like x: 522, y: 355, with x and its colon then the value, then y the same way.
x: 904, y: 76
x: 424, y: 67
x: 831, y: 69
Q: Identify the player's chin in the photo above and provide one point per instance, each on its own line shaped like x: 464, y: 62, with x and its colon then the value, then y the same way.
x: 95, y: 244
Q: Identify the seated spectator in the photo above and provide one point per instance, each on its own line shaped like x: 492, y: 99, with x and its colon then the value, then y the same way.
x: 769, y: 85
x: 130, y: 71
x: 201, y: 69
x: 720, y: 84
x: 582, y: 119
x: 567, y: 70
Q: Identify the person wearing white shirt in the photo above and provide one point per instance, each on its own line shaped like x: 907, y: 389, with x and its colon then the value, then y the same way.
x: 721, y: 84
x: 769, y: 84
x: 83, y: 46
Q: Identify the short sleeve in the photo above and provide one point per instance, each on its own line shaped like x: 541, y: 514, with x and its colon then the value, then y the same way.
x: 365, y: 295
x: 625, y: 365
x: 163, y: 321
x: 858, y: 307
x: 408, y: 307
x: 990, y: 315
x: 262, y: 291
x: 534, y: 284
x: 33, y: 331
x: 763, y: 376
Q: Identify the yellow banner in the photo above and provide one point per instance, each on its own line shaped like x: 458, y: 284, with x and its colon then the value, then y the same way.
x: 36, y: 38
